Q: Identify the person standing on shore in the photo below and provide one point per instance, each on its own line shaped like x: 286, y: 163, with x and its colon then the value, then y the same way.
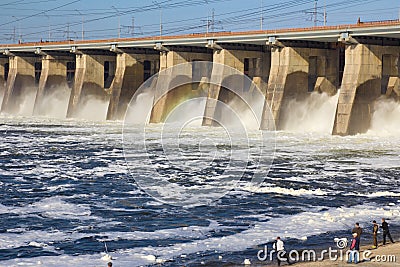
x: 353, y: 253
x: 279, y: 247
x: 358, y: 230
x: 385, y: 227
x: 375, y: 234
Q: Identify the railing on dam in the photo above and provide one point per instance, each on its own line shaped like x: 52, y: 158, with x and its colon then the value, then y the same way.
x: 317, y: 30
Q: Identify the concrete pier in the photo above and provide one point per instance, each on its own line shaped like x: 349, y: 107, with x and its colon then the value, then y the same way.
x: 366, y: 77
x: 296, y: 70
x: 93, y: 75
x: 21, y: 82
x: 253, y: 61
x: 132, y: 70
x: 4, y: 67
x: 172, y: 57
x: 53, y: 78
x: 393, y: 90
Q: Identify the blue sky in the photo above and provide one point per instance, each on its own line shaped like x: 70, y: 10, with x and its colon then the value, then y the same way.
x: 33, y: 20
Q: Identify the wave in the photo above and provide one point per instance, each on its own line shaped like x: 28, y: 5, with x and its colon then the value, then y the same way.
x: 375, y: 194
x: 286, y: 191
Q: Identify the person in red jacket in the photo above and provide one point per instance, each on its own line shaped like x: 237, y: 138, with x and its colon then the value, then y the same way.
x: 353, y: 253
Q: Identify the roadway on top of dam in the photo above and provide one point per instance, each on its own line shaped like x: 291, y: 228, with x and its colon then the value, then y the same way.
x: 388, y: 30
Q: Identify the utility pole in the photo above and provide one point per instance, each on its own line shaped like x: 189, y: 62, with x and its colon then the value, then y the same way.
x: 133, y: 27
x: 262, y: 15
x: 14, y: 35
x: 48, y: 18
x: 49, y: 30
x: 208, y: 18
x: 213, y: 20
x: 325, y: 15
x: 68, y: 31
x: 161, y: 28
x: 315, y: 13
x: 160, y: 8
x: 83, y: 23
x: 19, y: 31
x: 119, y: 21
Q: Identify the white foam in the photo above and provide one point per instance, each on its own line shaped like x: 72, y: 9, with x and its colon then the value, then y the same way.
x: 375, y: 194
x: 286, y: 191
x: 21, y: 237
x: 52, y: 207
x: 36, y: 238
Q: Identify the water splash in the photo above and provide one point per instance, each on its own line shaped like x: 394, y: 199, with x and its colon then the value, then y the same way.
x: 94, y: 109
x: 26, y: 102
x: 55, y: 104
x: 2, y: 91
x: 189, y: 112
x: 316, y: 113
x: 248, y: 115
x: 139, y: 108
x: 386, y: 117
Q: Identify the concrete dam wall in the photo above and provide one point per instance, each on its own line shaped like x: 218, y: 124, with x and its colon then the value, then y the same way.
x: 360, y: 63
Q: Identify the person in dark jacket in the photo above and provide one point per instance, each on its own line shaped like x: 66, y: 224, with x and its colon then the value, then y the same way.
x: 358, y: 230
x: 385, y: 228
x: 375, y: 234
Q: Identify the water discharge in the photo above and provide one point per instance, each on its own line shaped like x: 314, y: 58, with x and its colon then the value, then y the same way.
x: 386, y: 117
x: 248, y: 114
x: 94, y: 109
x: 26, y: 102
x: 55, y: 104
x: 316, y: 113
x: 139, y: 108
x: 1, y: 96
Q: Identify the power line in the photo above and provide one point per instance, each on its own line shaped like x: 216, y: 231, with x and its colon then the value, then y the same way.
x: 244, y: 18
x: 43, y: 12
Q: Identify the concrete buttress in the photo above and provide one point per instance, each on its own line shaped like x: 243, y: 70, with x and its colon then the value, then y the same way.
x: 295, y: 72
x: 172, y: 78
x: 20, y: 83
x: 130, y: 73
x: 90, y: 81
x: 254, y: 62
x: 53, y: 79
x: 365, y: 79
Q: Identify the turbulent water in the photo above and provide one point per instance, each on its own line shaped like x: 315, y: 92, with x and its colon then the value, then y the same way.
x: 66, y: 192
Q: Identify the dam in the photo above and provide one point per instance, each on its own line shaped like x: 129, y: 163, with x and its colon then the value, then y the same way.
x: 360, y: 62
